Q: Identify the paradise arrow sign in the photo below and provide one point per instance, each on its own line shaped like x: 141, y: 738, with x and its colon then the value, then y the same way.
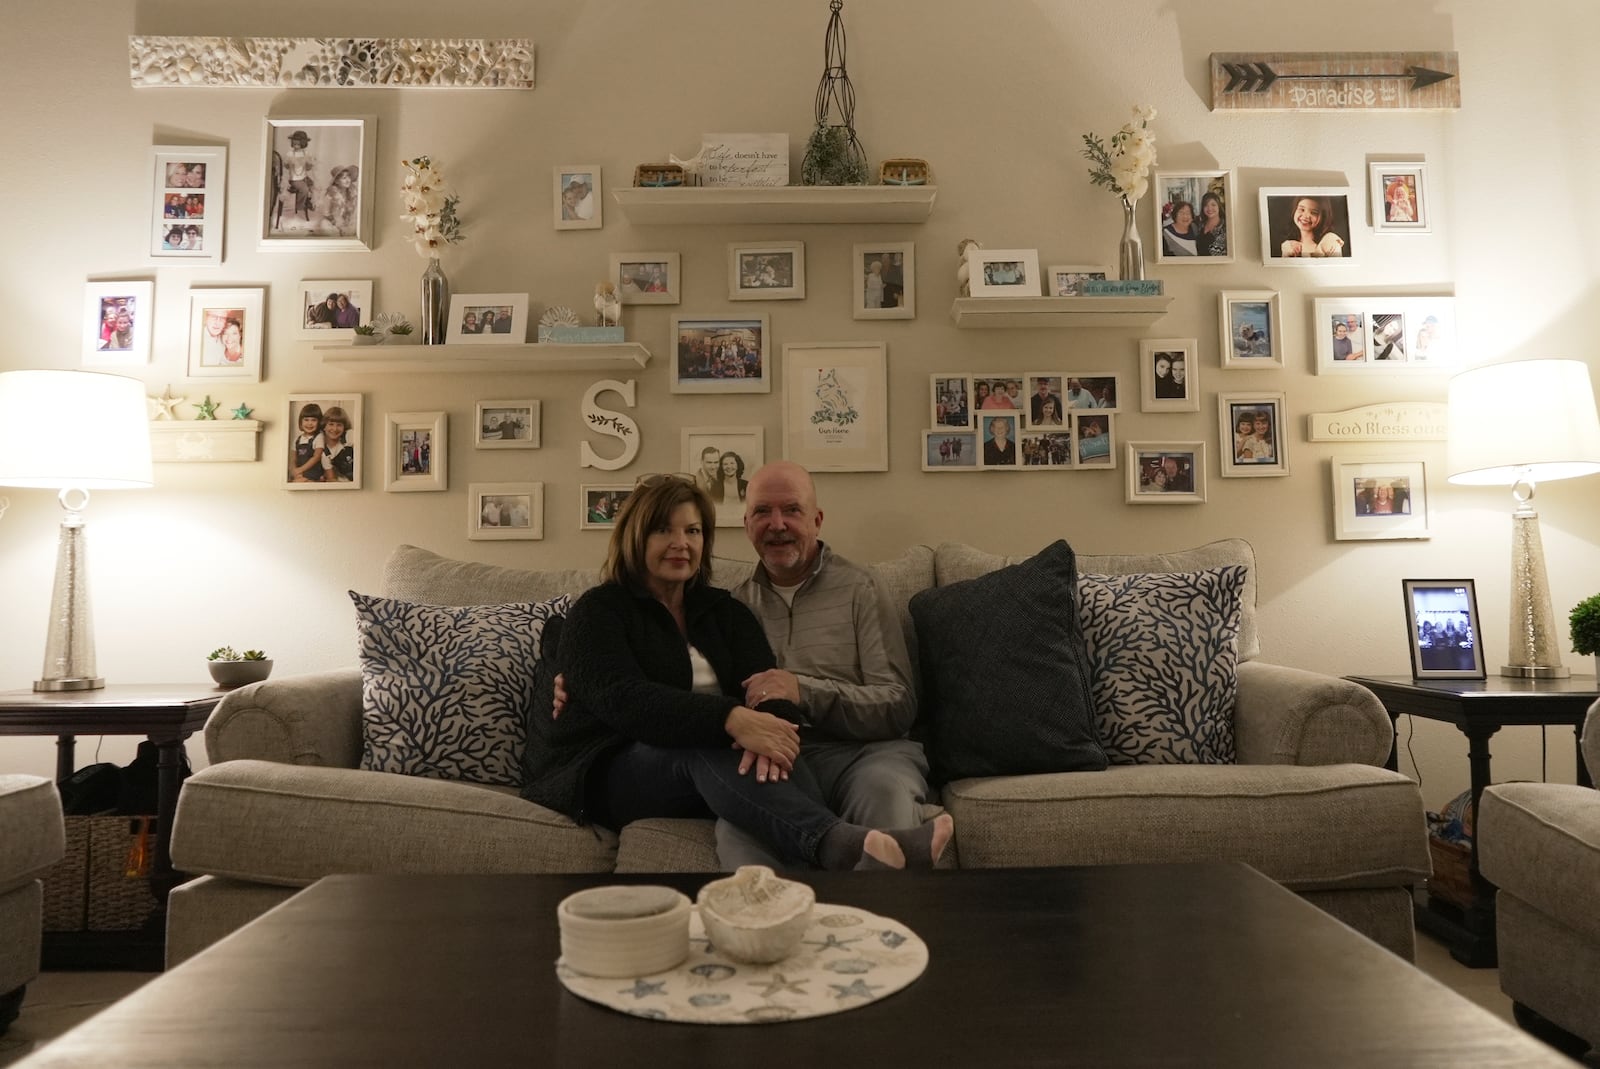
x: 1335, y: 81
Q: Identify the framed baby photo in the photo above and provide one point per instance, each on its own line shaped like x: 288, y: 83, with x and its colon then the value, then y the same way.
x: 1248, y: 324
x: 1380, y: 335
x: 1399, y: 200
x: 1253, y: 433
x: 950, y: 400
x: 487, y: 319
x: 1094, y: 440
x: 885, y: 280
x: 1379, y: 498
x: 767, y: 271
x: 324, y: 439
x: 950, y: 450
x: 117, y: 317
x: 188, y: 202
x: 1043, y: 406
x: 1169, y: 375
x: 415, y: 451
x: 577, y: 192
x: 330, y: 310
x: 1166, y: 473
x: 1193, y: 212
x: 836, y: 406
x: 1003, y: 272
x: 1093, y: 389
x: 225, y: 333
x: 1309, y: 226
x: 505, y: 512
x: 722, y: 460
x: 646, y: 277
x: 1442, y: 628
x: 507, y: 425
x: 721, y: 355
x: 599, y: 505
x: 316, y: 182
x: 1066, y: 280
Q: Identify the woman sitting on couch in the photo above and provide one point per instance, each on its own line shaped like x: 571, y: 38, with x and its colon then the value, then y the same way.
x: 653, y: 662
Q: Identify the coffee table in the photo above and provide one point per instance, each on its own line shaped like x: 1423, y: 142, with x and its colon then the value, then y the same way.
x: 1115, y: 966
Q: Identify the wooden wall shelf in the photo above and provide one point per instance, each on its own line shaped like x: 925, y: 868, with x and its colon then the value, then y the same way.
x: 1057, y: 313
x: 193, y: 441
x: 521, y: 358
x: 685, y: 205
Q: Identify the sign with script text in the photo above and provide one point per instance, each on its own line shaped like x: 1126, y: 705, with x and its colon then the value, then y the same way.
x: 744, y: 159
x: 1400, y: 421
x: 1335, y: 81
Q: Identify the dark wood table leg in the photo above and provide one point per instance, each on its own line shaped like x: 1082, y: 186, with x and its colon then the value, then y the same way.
x: 66, y: 759
x: 1392, y: 763
x: 1585, y: 777
x: 169, y: 760
x: 1478, y: 918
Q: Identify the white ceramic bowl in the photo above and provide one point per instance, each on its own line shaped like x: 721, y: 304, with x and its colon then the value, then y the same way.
x: 238, y: 673
x: 754, y: 915
x: 624, y: 930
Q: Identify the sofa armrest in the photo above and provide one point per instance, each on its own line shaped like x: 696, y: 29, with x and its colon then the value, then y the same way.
x: 1288, y: 716
x: 312, y: 719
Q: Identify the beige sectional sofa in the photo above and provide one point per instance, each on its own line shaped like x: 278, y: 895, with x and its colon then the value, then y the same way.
x: 1307, y: 803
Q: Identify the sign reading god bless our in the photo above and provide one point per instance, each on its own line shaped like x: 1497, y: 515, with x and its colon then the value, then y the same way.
x: 1401, y: 421
x: 1335, y: 81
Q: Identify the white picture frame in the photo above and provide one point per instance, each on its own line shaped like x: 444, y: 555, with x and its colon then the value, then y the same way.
x: 647, y: 277
x: 998, y: 436
x: 892, y: 293
x: 950, y: 403
x: 1360, y: 511
x: 950, y: 449
x: 1066, y: 280
x: 416, y: 452
x: 317, y: 321
x: 1284, y: 244
x: 329, y: 207
x: 470, y: 311
x: 510, y: 424
x: 1043, y: 401
x: 1169, y: 375
x: 117, y: 323
x: 308, y: 464
x: 766, y: 271
x: 1398, y: 189
x: 1165, y: 473
x: 1099, y: 391
x: 1094, y: 439
x: 721, y: 354
x: 226, y: 328
x: 505, y: 512
x: 1242, y: 315
x: 1198, y: 190
x: 599, y: 504
x: 1384, y: 335
x: 188, y: 171
x: 836, y: 405
x: 1252, y: 435
x: 746, y: 444
x: 578, y: 196
x: 1003, y: 272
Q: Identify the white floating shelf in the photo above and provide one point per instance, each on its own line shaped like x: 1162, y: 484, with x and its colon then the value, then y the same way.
x: 680, y: 205
x: 1058, y: 313
x: 522, y: 357
x: 178, y: 441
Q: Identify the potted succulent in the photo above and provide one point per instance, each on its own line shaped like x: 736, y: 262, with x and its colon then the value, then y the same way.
x: 1585, y: 621
x: 401, y: 332
x: 232, y: 669
x: 367, y: 334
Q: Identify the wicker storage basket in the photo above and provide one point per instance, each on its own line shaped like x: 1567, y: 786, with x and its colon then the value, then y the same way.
x: 103, y: 882
x: 1452, y: 875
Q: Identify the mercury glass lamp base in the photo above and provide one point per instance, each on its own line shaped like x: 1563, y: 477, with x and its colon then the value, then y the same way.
x: 77, y: 683
x: 1535, y: 671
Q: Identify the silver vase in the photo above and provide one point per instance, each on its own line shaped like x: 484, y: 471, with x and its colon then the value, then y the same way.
x: 1130, y: 253
x: 435, y: 303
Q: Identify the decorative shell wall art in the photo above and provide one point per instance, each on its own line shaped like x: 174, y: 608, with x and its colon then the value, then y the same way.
x: 331, y: 62
x: 559, y: 315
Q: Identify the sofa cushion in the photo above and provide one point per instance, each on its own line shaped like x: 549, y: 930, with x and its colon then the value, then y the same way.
x: 32, y: 834
x: 445, y: 689
x: 1541, y: 842
x: 1163, y: 648
x: 1005, y: 686
x: 416, y: 575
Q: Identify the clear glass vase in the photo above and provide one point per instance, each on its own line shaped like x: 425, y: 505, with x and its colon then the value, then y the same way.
x: 1130, y: 253
x: 435, y: 303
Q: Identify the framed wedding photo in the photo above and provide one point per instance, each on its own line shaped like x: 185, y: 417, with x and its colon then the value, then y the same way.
x: 188, y: 202
x: 316, y: 182
x: 721, y: 355
x: 1066, y: 280
x: 600, y: 503
x: 330, y: 310
x: 507, y: 425
x: 1399, y: 200
x: 646, y: 277
x: 885, y: 276
x: 1383, y: 498
x: 1193, y: 217
x: 1248, y: 323
x: 1253, y: 431
x: 1442, y: 629
x: 504, y: 512
x: 1169, y: 375
x: 487, y: 319
x: 836, y: 406
x: 1166, y: 473
x: 324, y: 451
x: 116, y: 323
x: 577, y: 197
x: 771, y: 271
x: 1003, y: 272
x: 1306, y: 226
x: 722, y: 460
x: 225, y: 333
x: 415, y: 451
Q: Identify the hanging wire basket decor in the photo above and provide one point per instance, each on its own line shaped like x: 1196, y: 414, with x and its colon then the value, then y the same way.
x: 834, y: 156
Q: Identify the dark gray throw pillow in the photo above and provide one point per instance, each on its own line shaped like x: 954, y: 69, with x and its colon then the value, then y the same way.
x: 1005, y: 686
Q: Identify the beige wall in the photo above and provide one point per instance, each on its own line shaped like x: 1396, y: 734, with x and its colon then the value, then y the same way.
x: 995, y: 96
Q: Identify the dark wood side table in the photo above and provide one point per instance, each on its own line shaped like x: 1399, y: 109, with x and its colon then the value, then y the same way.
x: 166, y: 714
x: 1479, y: 708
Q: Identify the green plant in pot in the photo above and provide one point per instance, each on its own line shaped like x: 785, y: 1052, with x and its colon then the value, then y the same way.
x: 832, y: 160
x: 1585, y: 621
x: 367, y: 334
x: 230, y: 668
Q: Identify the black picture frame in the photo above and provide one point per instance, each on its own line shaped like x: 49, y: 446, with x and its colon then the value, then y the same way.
x: 1442, y: 646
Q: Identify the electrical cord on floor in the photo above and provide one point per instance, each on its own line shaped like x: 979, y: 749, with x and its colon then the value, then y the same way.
x: 1411, y: 729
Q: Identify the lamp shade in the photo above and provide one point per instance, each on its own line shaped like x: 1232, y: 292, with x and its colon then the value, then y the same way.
x: 79, y: 429
x: 1531, y: 419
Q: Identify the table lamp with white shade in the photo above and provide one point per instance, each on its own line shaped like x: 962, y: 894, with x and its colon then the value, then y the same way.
x: 72, y: 431
x: 1556, y: 436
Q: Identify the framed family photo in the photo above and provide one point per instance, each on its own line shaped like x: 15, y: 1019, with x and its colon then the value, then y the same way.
x: 950, y: 402
x: 1169, y: 375
x: 316, y: 182
x: 885, y: 280
x: 117, y: 319
x: 770, y: 271
x: 1442, y: 628
x: 836, y: 406
x: 1166, y: 473
x: 1248, y: 323
x: 1384, y: 335
x: 1066, y: 280
x: 507, y: 425
x: 1253, y: 431
x: 950, y: 450
x: 1193, y: 216
x: 577, y: 197
x: 188, y: 202
x: 324, y: 442
x: 722, y: 459
x: 330, y: 310
x: 487, y: 319
x: 1003, y: 272
x: 1302, y: 226
x: 504, y: 512
x: 1044, y: 405
x: 600, y: 504
x: 646, y: 277
x: 1094, y: 440
x: 721, y: 355
x: 415, y: 451
x: 1399, y: 200
x: 225, y: 333
x: 1379, y: 499
x: 1093, y: 389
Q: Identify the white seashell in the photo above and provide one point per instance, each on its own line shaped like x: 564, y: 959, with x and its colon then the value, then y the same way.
x: 559, y: 315
x: 754, y: 915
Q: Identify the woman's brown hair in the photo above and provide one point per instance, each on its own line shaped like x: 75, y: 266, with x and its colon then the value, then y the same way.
x: 649, y: 507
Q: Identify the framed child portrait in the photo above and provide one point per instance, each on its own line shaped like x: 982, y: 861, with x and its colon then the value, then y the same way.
x: 225, y: 333
x: 1306, y: 226
x: 885, y: 276
x: 1442, y: 628
x: 1248, y: 323
x: 116, y: 323
x: 577, y: 197
x: 730, y: 354
x: 330, y: 310
x: 1193, y: 217
x: 646, y: 277
x: 507, y: 425
x: 600, y: 504
x: 503, y: 512
x: 487, y: 319
x: 1379, y: 498
x: 1399, y: 200
x: 1169, y: 375
x: 415, y: 451
x: 771, y: 271
x: 188, y: 202
x: 1253, y: 433
x: 1066, y: 280
x: 323, y: 442
x: 1003, y: 272
x: 1166, y: 473
x: 316, y: 181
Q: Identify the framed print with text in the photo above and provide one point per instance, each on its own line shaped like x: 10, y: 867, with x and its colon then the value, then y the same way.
x: 836, y: 406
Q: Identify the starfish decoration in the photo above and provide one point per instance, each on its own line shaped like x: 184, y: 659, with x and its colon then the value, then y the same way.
x: 166, y: 406
x: 243, y: 411
x: 859, y: 989
x: 642, y: 988
x: 832, y: 942
x: 779, y: 984
x: 207, y: 408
